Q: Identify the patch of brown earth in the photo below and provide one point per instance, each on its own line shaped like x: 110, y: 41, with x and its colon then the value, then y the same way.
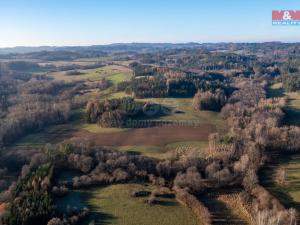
x: 156, y: 136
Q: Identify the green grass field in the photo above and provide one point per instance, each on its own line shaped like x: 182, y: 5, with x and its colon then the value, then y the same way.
x: 114, y: 73
x: 96, y: 129
x: 114, y: 205
x: 118, y: 77
x: 183, y: 111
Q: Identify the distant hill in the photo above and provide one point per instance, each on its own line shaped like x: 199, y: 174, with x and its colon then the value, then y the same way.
x: 112, y: 47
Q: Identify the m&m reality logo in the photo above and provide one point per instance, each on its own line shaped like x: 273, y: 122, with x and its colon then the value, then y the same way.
x: 286, y: 17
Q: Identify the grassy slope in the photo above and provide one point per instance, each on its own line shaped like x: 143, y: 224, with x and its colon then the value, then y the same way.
x: 114, y: 205
x: 187, y: 113
x: 114, y: 73
x: 184, y: 105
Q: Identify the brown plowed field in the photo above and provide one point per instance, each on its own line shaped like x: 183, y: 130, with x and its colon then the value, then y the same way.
x: 150, y: 136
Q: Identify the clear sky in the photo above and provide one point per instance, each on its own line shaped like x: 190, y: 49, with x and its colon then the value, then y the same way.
x: 87, y: 22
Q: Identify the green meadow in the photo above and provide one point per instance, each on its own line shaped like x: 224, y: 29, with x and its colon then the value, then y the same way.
x: 114, y: 205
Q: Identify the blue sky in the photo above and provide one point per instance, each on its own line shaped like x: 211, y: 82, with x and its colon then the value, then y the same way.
x: 87, y: 22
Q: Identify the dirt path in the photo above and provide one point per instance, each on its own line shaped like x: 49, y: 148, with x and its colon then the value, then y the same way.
x: 149, y: 136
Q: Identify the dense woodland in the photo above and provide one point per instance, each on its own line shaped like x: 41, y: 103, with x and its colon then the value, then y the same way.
x: 184, y: 85
x: 114, y: 112
x: 232, y: 79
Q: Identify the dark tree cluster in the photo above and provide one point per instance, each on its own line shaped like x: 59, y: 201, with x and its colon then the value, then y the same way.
x: 7, y: 88
x: 209, y: 101
x: 143, y: 70
x: 114, y: 112
x: 73, y: 73
x: 31, y: 201
x: 147, y: 87
x: 200, y: 59
x: 182, y: 86
x: 23, y: 66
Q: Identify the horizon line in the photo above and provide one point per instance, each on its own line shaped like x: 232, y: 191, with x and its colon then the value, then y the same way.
x: 128, y: 43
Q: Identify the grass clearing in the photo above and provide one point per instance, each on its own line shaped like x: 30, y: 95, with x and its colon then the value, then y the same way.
x: 118, y: 95
x: 184, y: 112
x: 118, y: 78
x: 96, y: 129
x: 114, y: 205
x: 288, y: 194
x: 114, y: 73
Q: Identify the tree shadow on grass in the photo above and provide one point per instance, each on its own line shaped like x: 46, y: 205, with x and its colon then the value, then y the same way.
x: 275, y: 93
x: 292, y: 116
x: 167, y: 195
x: 132, y: 152
x: 166, y: 203
x: 97, y: 217
x: 279, y: 192
x: 285, y: 198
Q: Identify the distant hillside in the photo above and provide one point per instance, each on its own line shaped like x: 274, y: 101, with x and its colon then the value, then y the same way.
x: 119, y: 47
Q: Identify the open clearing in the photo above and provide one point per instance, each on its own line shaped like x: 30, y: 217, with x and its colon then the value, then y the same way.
x: 288, y: 194
x: 114, y: 73
x: 114, y: 205
x: 151, y: 141
x: 156, y: 136
x: 185, y: 113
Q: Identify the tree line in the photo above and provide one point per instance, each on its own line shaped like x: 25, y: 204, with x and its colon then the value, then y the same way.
x: 187, y: 86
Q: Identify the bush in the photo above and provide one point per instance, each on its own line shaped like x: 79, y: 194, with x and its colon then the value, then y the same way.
x: 73, y: 73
